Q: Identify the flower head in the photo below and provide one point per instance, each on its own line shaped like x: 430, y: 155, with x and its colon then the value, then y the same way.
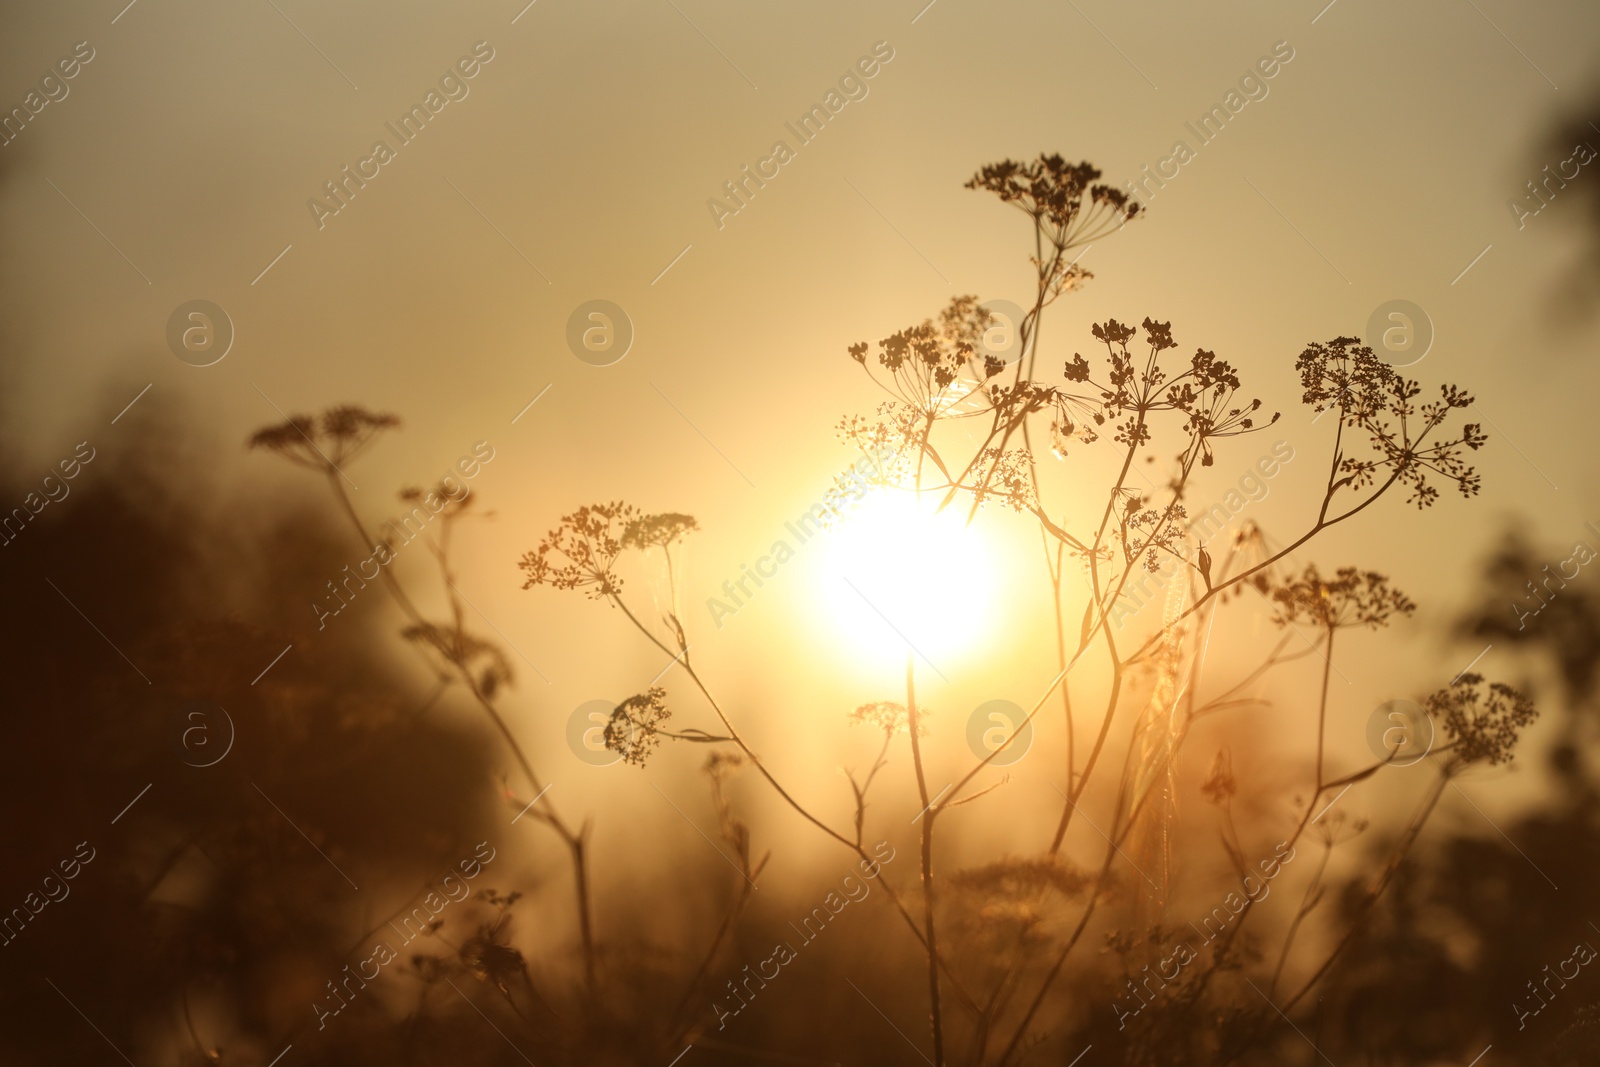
x: 1369, y: 395
x: 1022, y: 877
x: 723, y: 763
x: 635, y: 724
x: 589, y: 545
x: 324, y: 442
x: 439, y: 499
x: 1483, y: 723
x: 1347, y: 375
x: 936, y: 368
x: 1135, y: 386
x: 660, y: 531
x: 1064, y: 200
x: 889, y: 717
x: 1349, y: 598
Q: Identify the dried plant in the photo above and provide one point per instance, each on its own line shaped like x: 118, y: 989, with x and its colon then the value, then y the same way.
x: 586, y: 546
x: 1484, y: 724
x: 327, y: 442
x: 1134, y: 400
x: 1349, y: 598
x: 887, y: 716
x: 636, y: 724
x: 452, y: 651
x: 964, y: 429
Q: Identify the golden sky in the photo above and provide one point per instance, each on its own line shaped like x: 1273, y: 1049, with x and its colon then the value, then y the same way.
x: 577, y: 163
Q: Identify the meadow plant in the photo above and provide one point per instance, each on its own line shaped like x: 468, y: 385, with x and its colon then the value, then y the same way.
x: 965, y: 430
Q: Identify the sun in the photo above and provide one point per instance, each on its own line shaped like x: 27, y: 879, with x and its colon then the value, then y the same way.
x: 902, y: 577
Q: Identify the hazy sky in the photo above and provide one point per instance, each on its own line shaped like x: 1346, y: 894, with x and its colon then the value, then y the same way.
x: 579, y: 163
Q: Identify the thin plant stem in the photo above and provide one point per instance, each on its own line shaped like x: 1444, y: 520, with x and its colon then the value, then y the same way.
x: 1306, y: 904
x: 1322, y: 705
x: 855, y: 846
x: 929, y: 813
x: 574, y: 841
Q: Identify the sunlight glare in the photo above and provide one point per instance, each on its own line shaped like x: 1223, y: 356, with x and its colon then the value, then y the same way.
x: 897, y: 571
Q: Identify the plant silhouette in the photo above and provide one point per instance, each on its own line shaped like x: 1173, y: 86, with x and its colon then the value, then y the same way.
x: 223, y: 931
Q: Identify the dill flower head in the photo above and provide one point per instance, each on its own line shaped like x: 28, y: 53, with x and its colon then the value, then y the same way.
x: 659, y: 531
x: 327, y: 441
x: 636, y: 723
x: 438, y: 499
x: 1405, y: 436
x: 1064, y: 199
x: 489, y: 956
x: 890, y: 717
x: 1344, y: 374
x: 935, y: 368
x: 723, y: 763
x: 1008, y: 898
x: 1009, y: 481
x: 581, y: 551
x: 1484, y: 723
x: 1022, y: 877
x: 1349, y: 598
x: 1135, y: 387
